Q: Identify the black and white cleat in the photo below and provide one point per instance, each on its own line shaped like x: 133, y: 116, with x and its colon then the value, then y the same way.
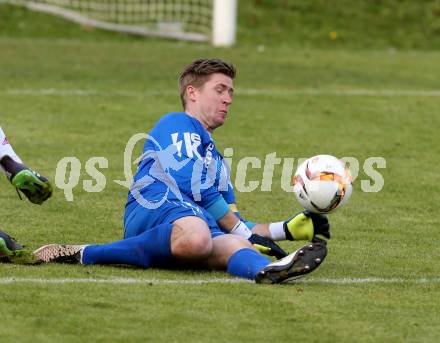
x: 299, y: 263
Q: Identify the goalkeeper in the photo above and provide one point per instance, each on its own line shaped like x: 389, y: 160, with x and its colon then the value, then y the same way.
x: 181, y: 206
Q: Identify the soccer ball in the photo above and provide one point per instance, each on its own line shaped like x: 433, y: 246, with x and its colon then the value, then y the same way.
x: 322, y: 184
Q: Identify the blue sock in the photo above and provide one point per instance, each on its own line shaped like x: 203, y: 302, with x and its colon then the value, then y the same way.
x: 246, y: 263
x: 150, y: 248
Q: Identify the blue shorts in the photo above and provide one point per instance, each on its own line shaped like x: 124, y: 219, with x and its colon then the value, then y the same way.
x: 139, y: 219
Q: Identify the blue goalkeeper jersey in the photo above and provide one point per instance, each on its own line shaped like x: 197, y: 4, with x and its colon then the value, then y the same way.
x: 180, y: 162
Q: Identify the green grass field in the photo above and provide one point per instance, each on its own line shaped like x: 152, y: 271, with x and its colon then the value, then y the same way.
x: 86, y: 98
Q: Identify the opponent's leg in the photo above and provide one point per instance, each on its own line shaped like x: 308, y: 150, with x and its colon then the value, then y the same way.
x: 6, y: 148
x: 36, y: 187
x: 12, y: 251
x: 8, y: 246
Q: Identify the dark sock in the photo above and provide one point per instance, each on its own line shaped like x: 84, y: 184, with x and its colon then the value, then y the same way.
x: 10, y: 166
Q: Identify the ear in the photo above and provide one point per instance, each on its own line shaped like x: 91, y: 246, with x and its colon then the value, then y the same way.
x: 191, y: 93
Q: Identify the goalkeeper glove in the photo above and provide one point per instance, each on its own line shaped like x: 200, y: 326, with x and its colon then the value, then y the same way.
x: 267, y: 246
x: 306, y: 225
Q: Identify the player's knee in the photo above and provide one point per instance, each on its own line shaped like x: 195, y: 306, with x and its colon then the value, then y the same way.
x: 191, y: 239
x: 200, y: 245
x: 192, y: 244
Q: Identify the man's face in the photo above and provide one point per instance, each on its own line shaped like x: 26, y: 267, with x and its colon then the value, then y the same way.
x: 210, y: 103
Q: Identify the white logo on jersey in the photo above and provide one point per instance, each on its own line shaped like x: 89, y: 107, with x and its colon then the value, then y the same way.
x: 192, y: 141
x: 177, y: 143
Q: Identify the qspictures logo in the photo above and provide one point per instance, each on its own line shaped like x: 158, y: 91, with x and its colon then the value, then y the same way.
x: 205, y: 171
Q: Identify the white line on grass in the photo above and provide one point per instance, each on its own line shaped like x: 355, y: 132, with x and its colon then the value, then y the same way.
x: 125, y: 281
x: 243, y: 91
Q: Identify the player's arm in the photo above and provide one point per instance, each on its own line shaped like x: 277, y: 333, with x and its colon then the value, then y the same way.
x: 231, y: 223
x: 305, y: 225
x: 234, y: 220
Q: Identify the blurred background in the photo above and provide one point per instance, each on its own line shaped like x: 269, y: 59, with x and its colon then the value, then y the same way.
x: 401, y: 24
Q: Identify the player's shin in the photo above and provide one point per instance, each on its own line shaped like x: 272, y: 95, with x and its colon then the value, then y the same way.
x: 246, y: 263
x: 149, y: 248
